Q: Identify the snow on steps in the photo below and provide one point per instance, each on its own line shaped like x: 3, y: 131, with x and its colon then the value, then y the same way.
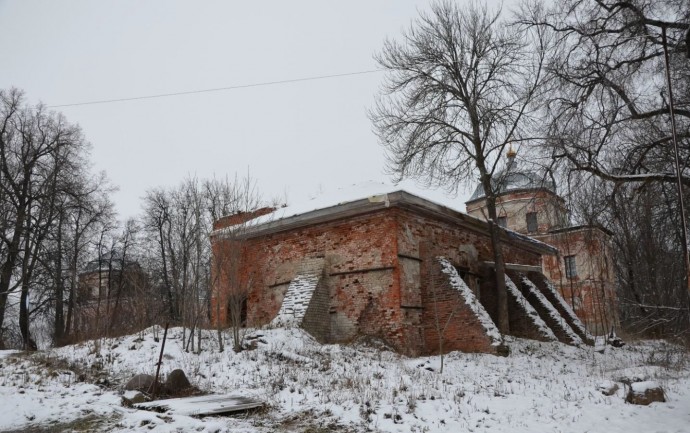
x: 477, y: 308
x: 299, y: 293
x: 569, y: 311
x: 551, y: 311
x: 541, y: 326
x: 564, y: 308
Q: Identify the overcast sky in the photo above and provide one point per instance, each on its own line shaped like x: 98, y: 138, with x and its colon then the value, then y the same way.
x: 295, y: 138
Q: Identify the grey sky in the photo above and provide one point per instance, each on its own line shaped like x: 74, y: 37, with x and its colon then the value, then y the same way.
x: 295, y: 138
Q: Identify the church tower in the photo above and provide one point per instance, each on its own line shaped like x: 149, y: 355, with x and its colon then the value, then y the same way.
x: 527, y: 202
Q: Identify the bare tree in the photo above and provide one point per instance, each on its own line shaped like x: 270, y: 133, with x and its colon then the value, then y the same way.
x: 458, y: 92
x: 650, y: 270
x: 608, y: 106
x: 441, y: 319
x: 179, y: 222
x: 121, y: 252
x: 88, y: 209
x: 609, y: 116
x: 645, y: 237
x: 231, y: 278
x: 157, y: 220
x: 42, y: 158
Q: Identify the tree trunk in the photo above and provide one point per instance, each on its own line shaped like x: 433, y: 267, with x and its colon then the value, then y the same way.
x: 27, y: 342
x: 10, y: 262
x: 73, y: 274
x: 166, y: 279
x: 218, y: 324
x: 500, y: 272
x: 59, y: 328
x: 499, y: 269
x: 28, y: 262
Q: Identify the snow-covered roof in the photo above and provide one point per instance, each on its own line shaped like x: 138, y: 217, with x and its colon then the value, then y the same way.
x: 363, y: 198
x: 328, y: 199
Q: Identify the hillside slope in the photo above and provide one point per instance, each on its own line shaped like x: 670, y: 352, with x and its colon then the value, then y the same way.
x: 361, y: 387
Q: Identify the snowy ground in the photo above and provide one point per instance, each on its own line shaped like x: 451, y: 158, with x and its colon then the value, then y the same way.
x: 540, y: 387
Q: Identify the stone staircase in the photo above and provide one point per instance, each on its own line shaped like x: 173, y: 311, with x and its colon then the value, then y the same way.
x: 525, y: 320
x: 480, y: 313
x: 549, y: 291
x: 300, y: 293
x: 549, y: 314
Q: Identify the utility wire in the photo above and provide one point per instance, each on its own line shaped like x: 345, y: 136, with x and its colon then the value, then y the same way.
x: 217, y: 89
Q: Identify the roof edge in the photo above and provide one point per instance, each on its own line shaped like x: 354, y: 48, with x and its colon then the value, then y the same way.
x: 401, y: 199
x: 581, y: 227
x: 517, y: 190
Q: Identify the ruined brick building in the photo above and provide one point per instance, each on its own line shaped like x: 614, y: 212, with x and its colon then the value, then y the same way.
x: 582, y: 268
x: 113, y: 297
x: 391, y: 265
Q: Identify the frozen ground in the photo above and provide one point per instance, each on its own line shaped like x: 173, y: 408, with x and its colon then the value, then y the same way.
x: 540, y: 387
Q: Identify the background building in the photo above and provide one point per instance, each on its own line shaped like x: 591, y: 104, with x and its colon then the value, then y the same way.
x: 115, y: 297
x: 582, y: 269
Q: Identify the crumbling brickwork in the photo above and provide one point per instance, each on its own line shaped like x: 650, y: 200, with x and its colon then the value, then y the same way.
x: 450, y: 324
x: 379, y: 276
x: 360, y: 275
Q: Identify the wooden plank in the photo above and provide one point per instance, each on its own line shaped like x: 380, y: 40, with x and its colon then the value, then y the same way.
x: 202, y: 405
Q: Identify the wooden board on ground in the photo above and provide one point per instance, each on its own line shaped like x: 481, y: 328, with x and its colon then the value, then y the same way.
x: 202, y: 405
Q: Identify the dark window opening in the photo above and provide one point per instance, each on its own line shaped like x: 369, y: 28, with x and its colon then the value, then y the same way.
x: 532, y: 225
x: 570, y: 267
x: 470, y: 279
x: 237, y: 312
x: 464, y: 274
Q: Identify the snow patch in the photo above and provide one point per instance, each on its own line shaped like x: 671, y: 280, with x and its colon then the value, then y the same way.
x: 539, y: 387
x: 374, y: 191
x: 296, y: 358
x: 299, y: 294
x: 640, y: 388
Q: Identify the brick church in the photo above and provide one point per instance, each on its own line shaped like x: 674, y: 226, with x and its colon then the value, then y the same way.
x: 582, y: 268
x: 390, y: 265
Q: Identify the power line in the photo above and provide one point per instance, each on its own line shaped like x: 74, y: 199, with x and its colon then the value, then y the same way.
x: 217, y: 89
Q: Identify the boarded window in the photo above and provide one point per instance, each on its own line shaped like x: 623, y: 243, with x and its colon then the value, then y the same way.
x: 570, y: 267
x: 503, y: 221
x: 410, y: 283
x: 532, y: 225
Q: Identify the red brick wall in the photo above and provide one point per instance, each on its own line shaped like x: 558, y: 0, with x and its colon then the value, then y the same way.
x: 361, y: 273
x: 447, y: 319
x: 421, y: 235
x: 378, y: 271
x: 427, y: 238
